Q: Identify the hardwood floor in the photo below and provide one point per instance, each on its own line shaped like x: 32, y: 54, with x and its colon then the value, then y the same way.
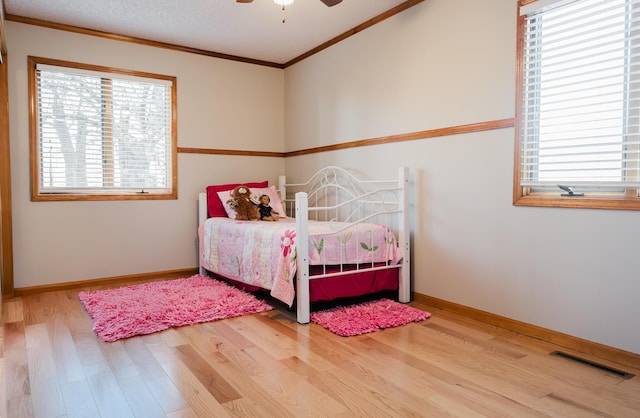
x: 269, y: 366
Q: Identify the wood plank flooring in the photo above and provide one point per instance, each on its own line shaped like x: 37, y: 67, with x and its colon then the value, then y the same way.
x: 266, y: 365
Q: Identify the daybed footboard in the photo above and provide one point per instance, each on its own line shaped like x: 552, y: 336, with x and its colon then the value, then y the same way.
x: 336, y: 196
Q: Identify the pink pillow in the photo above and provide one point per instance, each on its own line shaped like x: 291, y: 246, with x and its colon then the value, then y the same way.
x: 256, y: 192
x: 214, y: 205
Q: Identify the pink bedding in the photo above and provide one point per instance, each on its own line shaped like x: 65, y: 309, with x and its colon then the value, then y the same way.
x: 263, y: 254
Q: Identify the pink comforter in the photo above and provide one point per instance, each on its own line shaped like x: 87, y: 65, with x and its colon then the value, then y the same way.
x: 263, y: 254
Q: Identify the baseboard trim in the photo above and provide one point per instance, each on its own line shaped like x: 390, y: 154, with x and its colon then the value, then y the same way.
x: 602, y: 351
x: 116, y: 280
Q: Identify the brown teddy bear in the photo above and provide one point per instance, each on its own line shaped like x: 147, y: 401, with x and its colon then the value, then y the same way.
x: 241, y: 202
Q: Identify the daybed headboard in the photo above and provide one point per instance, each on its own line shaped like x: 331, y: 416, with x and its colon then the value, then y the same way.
x: 335, y: 194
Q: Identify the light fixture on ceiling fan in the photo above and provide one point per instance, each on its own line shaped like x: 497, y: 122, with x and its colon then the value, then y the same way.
x: 283, y: 3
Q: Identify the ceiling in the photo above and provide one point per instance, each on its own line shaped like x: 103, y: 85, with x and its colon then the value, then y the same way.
x: 249, y: 30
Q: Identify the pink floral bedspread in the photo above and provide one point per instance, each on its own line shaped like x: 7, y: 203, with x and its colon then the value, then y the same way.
x: 263, y: 254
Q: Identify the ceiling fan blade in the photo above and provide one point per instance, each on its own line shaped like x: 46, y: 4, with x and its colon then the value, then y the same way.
x: 244, y: 1
x: 330, y: 3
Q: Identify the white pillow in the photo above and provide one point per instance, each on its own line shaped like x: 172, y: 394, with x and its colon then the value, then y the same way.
x: 276, y: 203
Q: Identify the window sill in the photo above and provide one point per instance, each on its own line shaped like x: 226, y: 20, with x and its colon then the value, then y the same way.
x: 57, y: 197
x: 549, y: 200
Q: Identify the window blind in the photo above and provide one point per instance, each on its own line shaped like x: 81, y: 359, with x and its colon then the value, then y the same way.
x: 581, y: 96
x: 102, y: 133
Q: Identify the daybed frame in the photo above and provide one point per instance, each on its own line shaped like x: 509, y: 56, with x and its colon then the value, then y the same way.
x: 335, y: 195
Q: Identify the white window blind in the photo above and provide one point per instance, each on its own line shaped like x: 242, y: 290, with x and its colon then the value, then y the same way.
x: 581, y: 96
x: 103, y: 133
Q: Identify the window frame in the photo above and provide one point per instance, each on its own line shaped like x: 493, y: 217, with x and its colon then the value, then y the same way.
x: 34, y: 139
x: 522, y: 196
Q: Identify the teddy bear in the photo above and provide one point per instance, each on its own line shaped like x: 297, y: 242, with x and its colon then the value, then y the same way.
x: 241, y: 202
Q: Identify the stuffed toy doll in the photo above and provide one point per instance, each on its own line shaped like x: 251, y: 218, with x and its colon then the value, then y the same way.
x: 267, y: 213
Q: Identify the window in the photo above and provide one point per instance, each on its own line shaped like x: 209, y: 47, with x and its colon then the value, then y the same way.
x: 101, y: 133
x: 578, y: 105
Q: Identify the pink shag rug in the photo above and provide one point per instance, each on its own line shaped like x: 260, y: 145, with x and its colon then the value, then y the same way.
x: 155, y: 306
x: 367, y: 317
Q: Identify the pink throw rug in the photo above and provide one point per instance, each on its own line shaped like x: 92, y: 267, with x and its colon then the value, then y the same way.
x: 367, y: 317
x: 155, y: 306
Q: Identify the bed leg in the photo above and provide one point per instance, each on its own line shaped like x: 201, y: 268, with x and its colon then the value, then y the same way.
x: 303, y: 304
x: 404, y: 288
x: 303, y: 315
x: 302, y: 236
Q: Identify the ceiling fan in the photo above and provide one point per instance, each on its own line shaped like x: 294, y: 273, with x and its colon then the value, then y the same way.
x: 328, y: 3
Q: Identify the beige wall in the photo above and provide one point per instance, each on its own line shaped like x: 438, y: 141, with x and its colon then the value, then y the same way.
x: 221, y: 104
x: 452, y: 62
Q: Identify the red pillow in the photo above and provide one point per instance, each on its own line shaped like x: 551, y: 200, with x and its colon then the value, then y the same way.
x: 214, y: 205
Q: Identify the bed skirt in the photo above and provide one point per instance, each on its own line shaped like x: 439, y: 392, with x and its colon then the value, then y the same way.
x: 336, y: 287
